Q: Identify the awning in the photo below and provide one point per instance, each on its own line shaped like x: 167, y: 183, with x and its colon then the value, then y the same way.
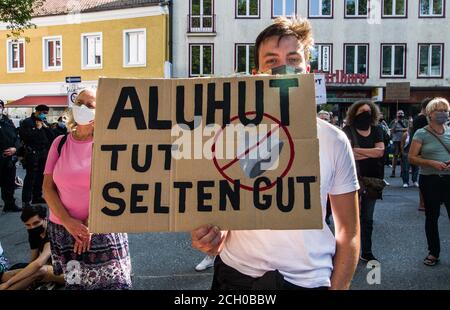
x: 31, y: 101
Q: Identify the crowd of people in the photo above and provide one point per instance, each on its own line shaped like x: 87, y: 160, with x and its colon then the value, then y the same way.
x: 57, y: 160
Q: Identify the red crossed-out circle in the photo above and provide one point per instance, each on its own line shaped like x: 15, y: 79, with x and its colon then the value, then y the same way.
x: 237, y: 158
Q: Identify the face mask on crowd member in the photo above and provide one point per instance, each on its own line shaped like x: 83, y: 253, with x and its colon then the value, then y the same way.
x: 34, y: 218
x: 83, y: 115
x: 440, y: 117
x: 400, y: 115
x: 363, y: 120
x: 41, y: 116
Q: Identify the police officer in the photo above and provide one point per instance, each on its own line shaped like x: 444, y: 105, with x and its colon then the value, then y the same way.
x: 9, y: 143
x: 37, y: 137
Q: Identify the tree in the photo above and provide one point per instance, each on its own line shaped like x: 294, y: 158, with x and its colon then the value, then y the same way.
x: 17, y: 15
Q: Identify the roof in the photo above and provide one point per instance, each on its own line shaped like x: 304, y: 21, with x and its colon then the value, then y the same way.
x: 63, y: 7
x: 32, y: 101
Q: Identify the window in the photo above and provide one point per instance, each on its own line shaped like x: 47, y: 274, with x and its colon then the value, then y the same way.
x: 16, y: 55
x: 201, y: 59
x: 320, y: 8
x: 247, y: 8
x: 245, y: 58
x: 394, y: 8
x: 430, y: 60
x: 356, y: 8
x: 91, y: 47
x: 431, y: 8
x: 356, y: 58
x: 52, y: 53
x: 135, y: 48
x: 201, y: 17
x: 284, y: 8
x: 321, y: 58
x: 393, y: 58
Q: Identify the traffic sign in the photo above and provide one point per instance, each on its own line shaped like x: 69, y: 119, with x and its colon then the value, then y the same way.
x: 71, y: 96
x: 73, y: 79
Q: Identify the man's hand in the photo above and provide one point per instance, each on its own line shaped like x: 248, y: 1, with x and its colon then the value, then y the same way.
x: 10, y: 151
x: 208, y: 239
x: 4, y: 286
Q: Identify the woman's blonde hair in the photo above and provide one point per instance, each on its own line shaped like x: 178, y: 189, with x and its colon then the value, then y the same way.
x: 437, y: 103
x: 68, y: 115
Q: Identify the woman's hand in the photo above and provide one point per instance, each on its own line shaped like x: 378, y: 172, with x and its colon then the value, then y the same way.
x: 84, y: 246
x: 77, y: 229
x: 438, y: 165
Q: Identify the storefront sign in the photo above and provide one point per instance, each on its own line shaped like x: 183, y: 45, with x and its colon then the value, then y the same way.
x: 339, y: 77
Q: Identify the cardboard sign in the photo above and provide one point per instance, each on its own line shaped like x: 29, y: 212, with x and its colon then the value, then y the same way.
x: 398, y: 91
x: 321, y: 89
x: 174, y: 154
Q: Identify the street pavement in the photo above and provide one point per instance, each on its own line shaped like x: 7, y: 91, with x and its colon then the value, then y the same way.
x: 166, y: 261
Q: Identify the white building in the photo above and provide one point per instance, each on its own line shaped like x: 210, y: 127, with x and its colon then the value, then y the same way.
x: 381, y: 40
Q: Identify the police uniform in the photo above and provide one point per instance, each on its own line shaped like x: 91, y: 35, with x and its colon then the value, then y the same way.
x: 37, y: 142
x: 8, y: 139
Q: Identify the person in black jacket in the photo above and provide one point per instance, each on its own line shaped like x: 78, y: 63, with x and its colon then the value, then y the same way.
x: 37, y: 138
x: 9, y: 143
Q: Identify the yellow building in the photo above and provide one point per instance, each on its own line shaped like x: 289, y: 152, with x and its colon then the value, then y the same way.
x: 86, y: 39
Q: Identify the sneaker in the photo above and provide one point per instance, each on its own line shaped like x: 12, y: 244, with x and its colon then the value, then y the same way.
x: 405, y: 185
x: 46, y: 287
x: 368, y: 257
x: 416, y: 184
x: 206, y: 263
x: 386, y: 182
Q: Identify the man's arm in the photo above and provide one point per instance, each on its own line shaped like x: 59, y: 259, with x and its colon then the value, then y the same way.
x: 345, y: 208
x: 34, y: 255
x: 32, y: 268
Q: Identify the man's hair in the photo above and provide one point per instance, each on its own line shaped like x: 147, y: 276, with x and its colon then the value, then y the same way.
x: 351, y: 113
x: 424, y: 103
x: 42, y: 108
x: 30, y: 211
x: 283, y: 27
x: 2, y: 103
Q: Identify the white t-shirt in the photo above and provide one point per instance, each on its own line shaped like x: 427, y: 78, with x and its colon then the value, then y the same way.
x: 303, y: 257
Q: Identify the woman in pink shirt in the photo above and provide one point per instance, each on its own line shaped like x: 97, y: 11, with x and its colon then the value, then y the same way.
x: 88, y: 261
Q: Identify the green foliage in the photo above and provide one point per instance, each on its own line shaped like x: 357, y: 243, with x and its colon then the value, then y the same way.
x: 17, y: 15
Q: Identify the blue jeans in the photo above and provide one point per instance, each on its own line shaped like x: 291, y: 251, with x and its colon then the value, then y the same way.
x: 405, y: 170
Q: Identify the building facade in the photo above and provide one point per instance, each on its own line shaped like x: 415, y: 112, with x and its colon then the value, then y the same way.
x: 94, y: 38
x: 360, y: 44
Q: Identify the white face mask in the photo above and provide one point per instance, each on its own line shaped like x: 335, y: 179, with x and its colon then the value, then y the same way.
x: 83, y: 115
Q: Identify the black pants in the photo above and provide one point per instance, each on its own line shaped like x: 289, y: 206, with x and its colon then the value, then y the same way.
x: 32, y: 184
x: 228, y: 278
x: 7, y: 180
x: 366, y: 219
x: 435, y: 190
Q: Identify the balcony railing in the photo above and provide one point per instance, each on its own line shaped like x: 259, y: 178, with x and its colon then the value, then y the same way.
x: 201, y: 23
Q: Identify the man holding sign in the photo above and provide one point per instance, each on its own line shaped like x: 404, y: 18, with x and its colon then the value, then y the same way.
x: 293, y: 259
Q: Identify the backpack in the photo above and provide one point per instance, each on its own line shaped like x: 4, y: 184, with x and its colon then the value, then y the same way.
x: 61, y: 144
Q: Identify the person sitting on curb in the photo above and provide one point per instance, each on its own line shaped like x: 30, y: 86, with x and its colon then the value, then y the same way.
x: 22, y: 276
